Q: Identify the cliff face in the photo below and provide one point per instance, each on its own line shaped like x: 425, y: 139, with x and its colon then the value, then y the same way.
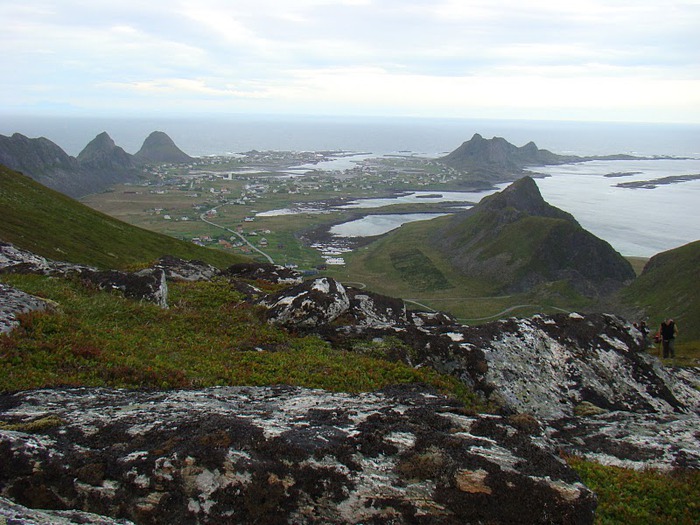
x: 518, y: 241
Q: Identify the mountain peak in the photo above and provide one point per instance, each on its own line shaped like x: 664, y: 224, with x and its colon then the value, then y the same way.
x: 498, y: 156
x: 524, y: 196
x: 103, y: 155
x: 516, y: 241
x: 159, y: 147
x: 101, y: 144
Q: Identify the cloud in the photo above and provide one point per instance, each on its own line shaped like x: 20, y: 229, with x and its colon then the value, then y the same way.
x: 540, y: 59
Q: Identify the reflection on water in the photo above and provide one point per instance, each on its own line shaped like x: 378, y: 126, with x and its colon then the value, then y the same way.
x: 421, y: 197
x: 379, y: 224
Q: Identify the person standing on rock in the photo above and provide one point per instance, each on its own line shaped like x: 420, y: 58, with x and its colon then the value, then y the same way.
x: 668, y: 334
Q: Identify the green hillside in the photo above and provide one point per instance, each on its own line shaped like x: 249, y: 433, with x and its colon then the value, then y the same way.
x: 55, y: 226
x: 670, y: 287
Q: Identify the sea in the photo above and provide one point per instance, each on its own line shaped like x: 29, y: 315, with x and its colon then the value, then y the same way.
x: 635, y: 221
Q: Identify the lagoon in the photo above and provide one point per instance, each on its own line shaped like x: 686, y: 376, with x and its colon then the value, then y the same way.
x: 379, y: 224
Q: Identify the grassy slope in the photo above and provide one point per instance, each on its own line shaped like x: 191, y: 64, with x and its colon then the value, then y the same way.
x: 670, y: 287
x: 53, y: 225
x: 208, y: 336
x: 403, y: 264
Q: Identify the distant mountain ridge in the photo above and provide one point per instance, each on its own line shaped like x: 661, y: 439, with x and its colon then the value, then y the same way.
x: 496, y: 159
x: 99, y: 165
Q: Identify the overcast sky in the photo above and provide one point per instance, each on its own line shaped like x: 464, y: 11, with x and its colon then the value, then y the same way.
x: 635, y: 60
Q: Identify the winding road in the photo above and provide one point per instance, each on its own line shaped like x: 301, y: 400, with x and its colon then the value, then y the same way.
x: 252, y: 247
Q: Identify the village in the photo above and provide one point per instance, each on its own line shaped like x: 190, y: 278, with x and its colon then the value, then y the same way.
x: 271, y: 204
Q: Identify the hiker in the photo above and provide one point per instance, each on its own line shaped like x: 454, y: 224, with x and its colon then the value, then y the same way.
x: 668, y: 332
x: 644, y: 329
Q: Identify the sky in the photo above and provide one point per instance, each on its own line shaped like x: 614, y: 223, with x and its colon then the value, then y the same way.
x: 629, y: 61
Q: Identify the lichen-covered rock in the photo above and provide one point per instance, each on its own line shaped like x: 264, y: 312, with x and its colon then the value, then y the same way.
x: 308, y: 305
x: 14, y: 302
x: 177, y: 269
x: 145, y: 285
x: 547, y: 365
x: 631, y: 440
x: 267, y: 272
x: 375, y: 310
x: 11, y: 255
x: 281, y: 455
x: 15, y: 514
x: 16, y: 260
x: 552, y: 367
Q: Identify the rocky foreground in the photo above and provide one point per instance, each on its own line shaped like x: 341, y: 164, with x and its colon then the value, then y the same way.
x: 566, y: 383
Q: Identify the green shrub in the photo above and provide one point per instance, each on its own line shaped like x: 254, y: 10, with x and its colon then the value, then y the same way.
x: 646, y: 497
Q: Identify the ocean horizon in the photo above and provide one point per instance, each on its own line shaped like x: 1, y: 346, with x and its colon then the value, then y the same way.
x: 220, y: 135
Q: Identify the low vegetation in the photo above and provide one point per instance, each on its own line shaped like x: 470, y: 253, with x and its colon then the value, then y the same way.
x: 648, y: 497
x: 209, y: 336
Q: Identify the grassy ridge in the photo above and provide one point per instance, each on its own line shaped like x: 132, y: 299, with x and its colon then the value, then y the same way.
x: 670, y: 287
x: 55, y: 226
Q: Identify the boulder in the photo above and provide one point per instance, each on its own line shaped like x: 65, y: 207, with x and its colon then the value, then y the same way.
x: 280, y: 455
x: 14, y: 302
x: 272, y: 273
x: 177, y: 269
x: 308, y: 305
x: 145, y: 285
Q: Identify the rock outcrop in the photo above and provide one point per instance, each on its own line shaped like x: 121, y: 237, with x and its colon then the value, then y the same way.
x: 145, y: 285
x: 308, y: 305
x: 177, y: 269
x: 265, y: 272
x: 551, y: 367
x: 280, y: 455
